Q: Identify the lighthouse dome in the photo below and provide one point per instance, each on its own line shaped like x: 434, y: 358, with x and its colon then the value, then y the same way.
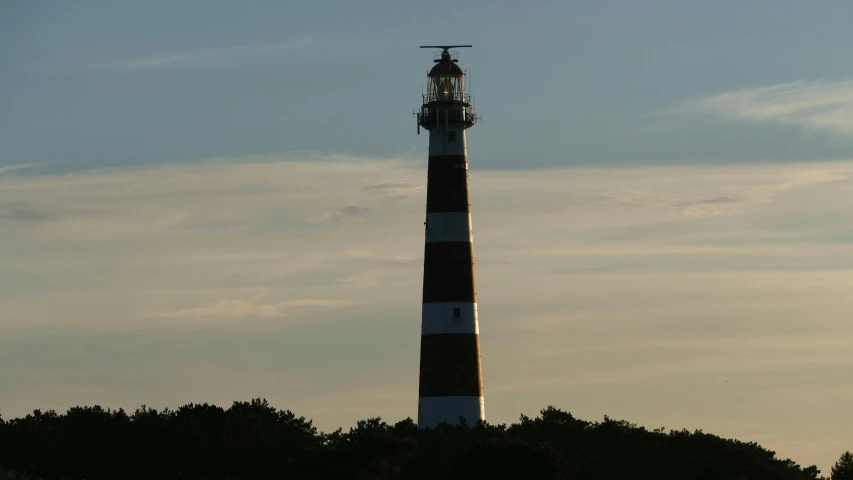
x: 445, y: 67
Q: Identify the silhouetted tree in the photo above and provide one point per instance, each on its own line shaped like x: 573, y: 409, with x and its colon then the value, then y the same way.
x: 252, y: 440
x: 843, y: 468
x: 510, y: 458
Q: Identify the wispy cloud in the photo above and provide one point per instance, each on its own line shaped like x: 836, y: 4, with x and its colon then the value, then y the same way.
x: 12, y: 168
x: 26, y: 212
x: 397, y: 190
x: 217, y: 56
x: 251, y: 308
x: 648, y: 287
x: 350, y: 213
x: 730, y: 199
x: 34, y: 211
x: 821, y: 105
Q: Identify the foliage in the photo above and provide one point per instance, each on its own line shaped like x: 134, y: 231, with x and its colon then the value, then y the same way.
x: 843, y: 468
x: 13, y: 475
x: 252, y: 440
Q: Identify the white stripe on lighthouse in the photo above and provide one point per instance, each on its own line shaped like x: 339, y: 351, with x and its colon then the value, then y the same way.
x: 448, y: 142
x: 449, y: 227
x: 435, y: 410
x: 449, y: 317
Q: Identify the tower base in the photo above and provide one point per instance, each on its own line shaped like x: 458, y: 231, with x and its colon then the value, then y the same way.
x: 435, y: 410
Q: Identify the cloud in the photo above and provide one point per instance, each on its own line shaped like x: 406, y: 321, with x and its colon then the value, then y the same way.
x: 251, y: 308
x: 732, y: 199
x: 398, y: 190
x: 276, y: 223
x: 35, y: 212
x: 348, y: 213
x: 629, y: 291
x: 824, y: 106
x: 212, y: 56
x: 26, y: 212
x: 12, y: 168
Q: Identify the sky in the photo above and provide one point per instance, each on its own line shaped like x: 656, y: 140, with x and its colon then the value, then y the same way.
x: 209, y: 201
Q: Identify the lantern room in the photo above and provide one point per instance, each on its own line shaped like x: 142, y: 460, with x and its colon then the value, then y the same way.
x: 446, y: 105
x: 446, y: 80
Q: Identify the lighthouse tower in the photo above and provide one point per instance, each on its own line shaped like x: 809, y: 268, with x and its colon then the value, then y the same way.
x: 451, y: 378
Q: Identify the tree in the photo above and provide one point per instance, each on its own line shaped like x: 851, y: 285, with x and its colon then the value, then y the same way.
x: 254, y: 441
x: 843, y: 469
x: 499, y: 459
x: 13, y: 475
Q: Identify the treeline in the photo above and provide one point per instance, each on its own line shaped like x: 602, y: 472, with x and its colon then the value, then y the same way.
x: 253, y: 440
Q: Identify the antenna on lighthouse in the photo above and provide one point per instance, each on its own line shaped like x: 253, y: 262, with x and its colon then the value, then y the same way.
x: 446, y: 47
x: 444, y: 51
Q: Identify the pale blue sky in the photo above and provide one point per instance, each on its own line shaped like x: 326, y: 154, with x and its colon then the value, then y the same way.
x: 557, y: 82
x: 210, y: 200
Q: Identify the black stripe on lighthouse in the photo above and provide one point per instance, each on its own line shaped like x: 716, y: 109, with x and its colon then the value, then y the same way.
x: 449, y: 272
x: 447, y: 184
x: 450, y: 367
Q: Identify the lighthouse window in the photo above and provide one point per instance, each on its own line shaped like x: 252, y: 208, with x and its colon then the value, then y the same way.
x: 451, y: 136
x: 457, y: 313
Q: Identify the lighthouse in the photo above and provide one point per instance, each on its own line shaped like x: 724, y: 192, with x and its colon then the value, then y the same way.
x: 451, y: 378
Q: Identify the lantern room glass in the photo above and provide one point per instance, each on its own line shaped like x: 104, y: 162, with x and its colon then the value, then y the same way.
x: 446, y: 88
